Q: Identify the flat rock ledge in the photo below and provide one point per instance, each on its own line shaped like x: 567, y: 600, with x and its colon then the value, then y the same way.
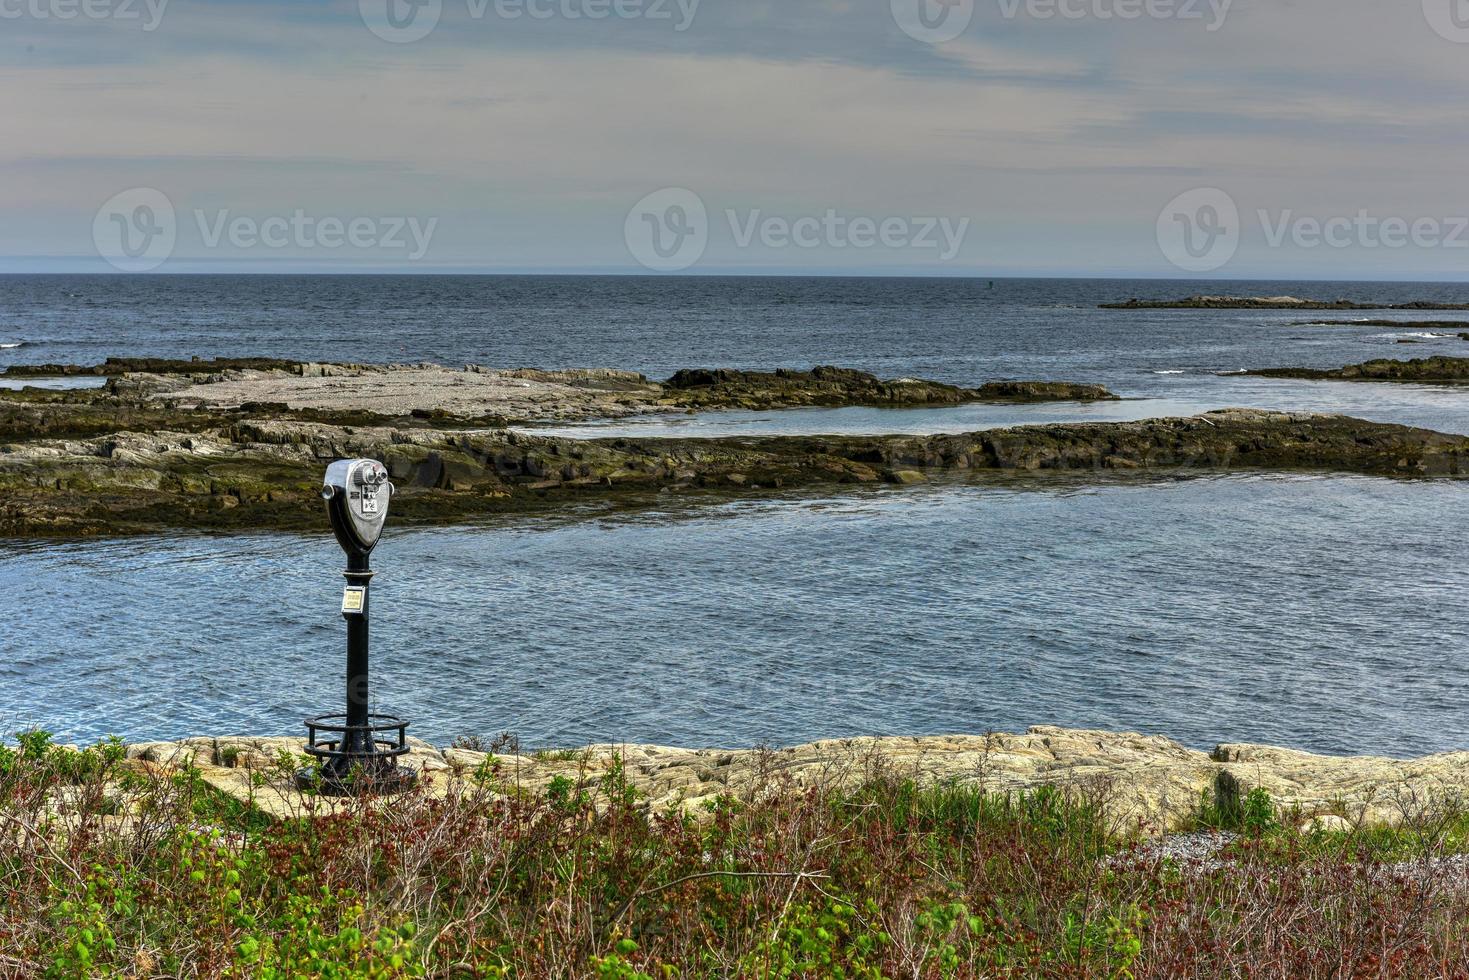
x: 490, y: 396
x: 267, y: 473
x: 1152, y: 783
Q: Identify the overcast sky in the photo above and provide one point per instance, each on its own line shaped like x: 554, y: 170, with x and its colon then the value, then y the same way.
x: 815, y: 135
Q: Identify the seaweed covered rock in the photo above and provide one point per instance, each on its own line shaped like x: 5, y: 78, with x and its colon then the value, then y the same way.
x: 826, y: 386
x: 482, y: 396
x: 116, y: 366
x: 1427, y: 370
x: 1044, y: 391
x: 266, y: 473
x: 835, y: 387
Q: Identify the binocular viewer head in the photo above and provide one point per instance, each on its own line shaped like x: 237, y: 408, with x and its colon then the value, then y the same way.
x: 357, y: 493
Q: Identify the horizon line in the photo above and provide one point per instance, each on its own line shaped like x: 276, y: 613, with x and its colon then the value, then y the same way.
x: 621, y: 272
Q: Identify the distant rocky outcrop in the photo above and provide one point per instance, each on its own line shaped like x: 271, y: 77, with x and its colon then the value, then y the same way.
x: 833, y: 386
x: 1044, y: 391
x: 1272, y: 303
x: 116, y: 366
x: 483, y: 395
x: 1385, y: 324
x: 1427, y: 370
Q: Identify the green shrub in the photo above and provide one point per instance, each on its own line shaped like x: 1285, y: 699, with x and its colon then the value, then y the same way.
x: 1224, y: 808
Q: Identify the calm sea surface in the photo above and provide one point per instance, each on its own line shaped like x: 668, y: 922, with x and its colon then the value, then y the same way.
x: 1320, y: 612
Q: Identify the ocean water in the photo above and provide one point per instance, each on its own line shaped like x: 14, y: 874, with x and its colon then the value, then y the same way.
x: 1316, y: 611
x: 963, y: 331
x: 1319, y: 612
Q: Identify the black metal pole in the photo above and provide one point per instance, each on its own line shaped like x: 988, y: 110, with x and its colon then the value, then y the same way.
x: 358, y: 739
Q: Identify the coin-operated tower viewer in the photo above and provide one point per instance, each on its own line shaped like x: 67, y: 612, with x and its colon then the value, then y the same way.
x: 355, y: 750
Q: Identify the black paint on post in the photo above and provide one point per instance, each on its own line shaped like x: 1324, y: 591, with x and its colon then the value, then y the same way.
x: 359, y: 698
x: 355, y: 754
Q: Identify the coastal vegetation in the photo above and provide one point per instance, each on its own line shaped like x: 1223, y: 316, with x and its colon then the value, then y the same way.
x: 114, y: 867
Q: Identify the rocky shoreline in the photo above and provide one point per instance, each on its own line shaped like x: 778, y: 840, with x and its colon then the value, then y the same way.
x: 245, y: 447
x: 1153, y: 782
x: 266, y: 473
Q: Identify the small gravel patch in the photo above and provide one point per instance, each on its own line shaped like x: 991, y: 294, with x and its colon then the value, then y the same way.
x: 1198, y: 851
